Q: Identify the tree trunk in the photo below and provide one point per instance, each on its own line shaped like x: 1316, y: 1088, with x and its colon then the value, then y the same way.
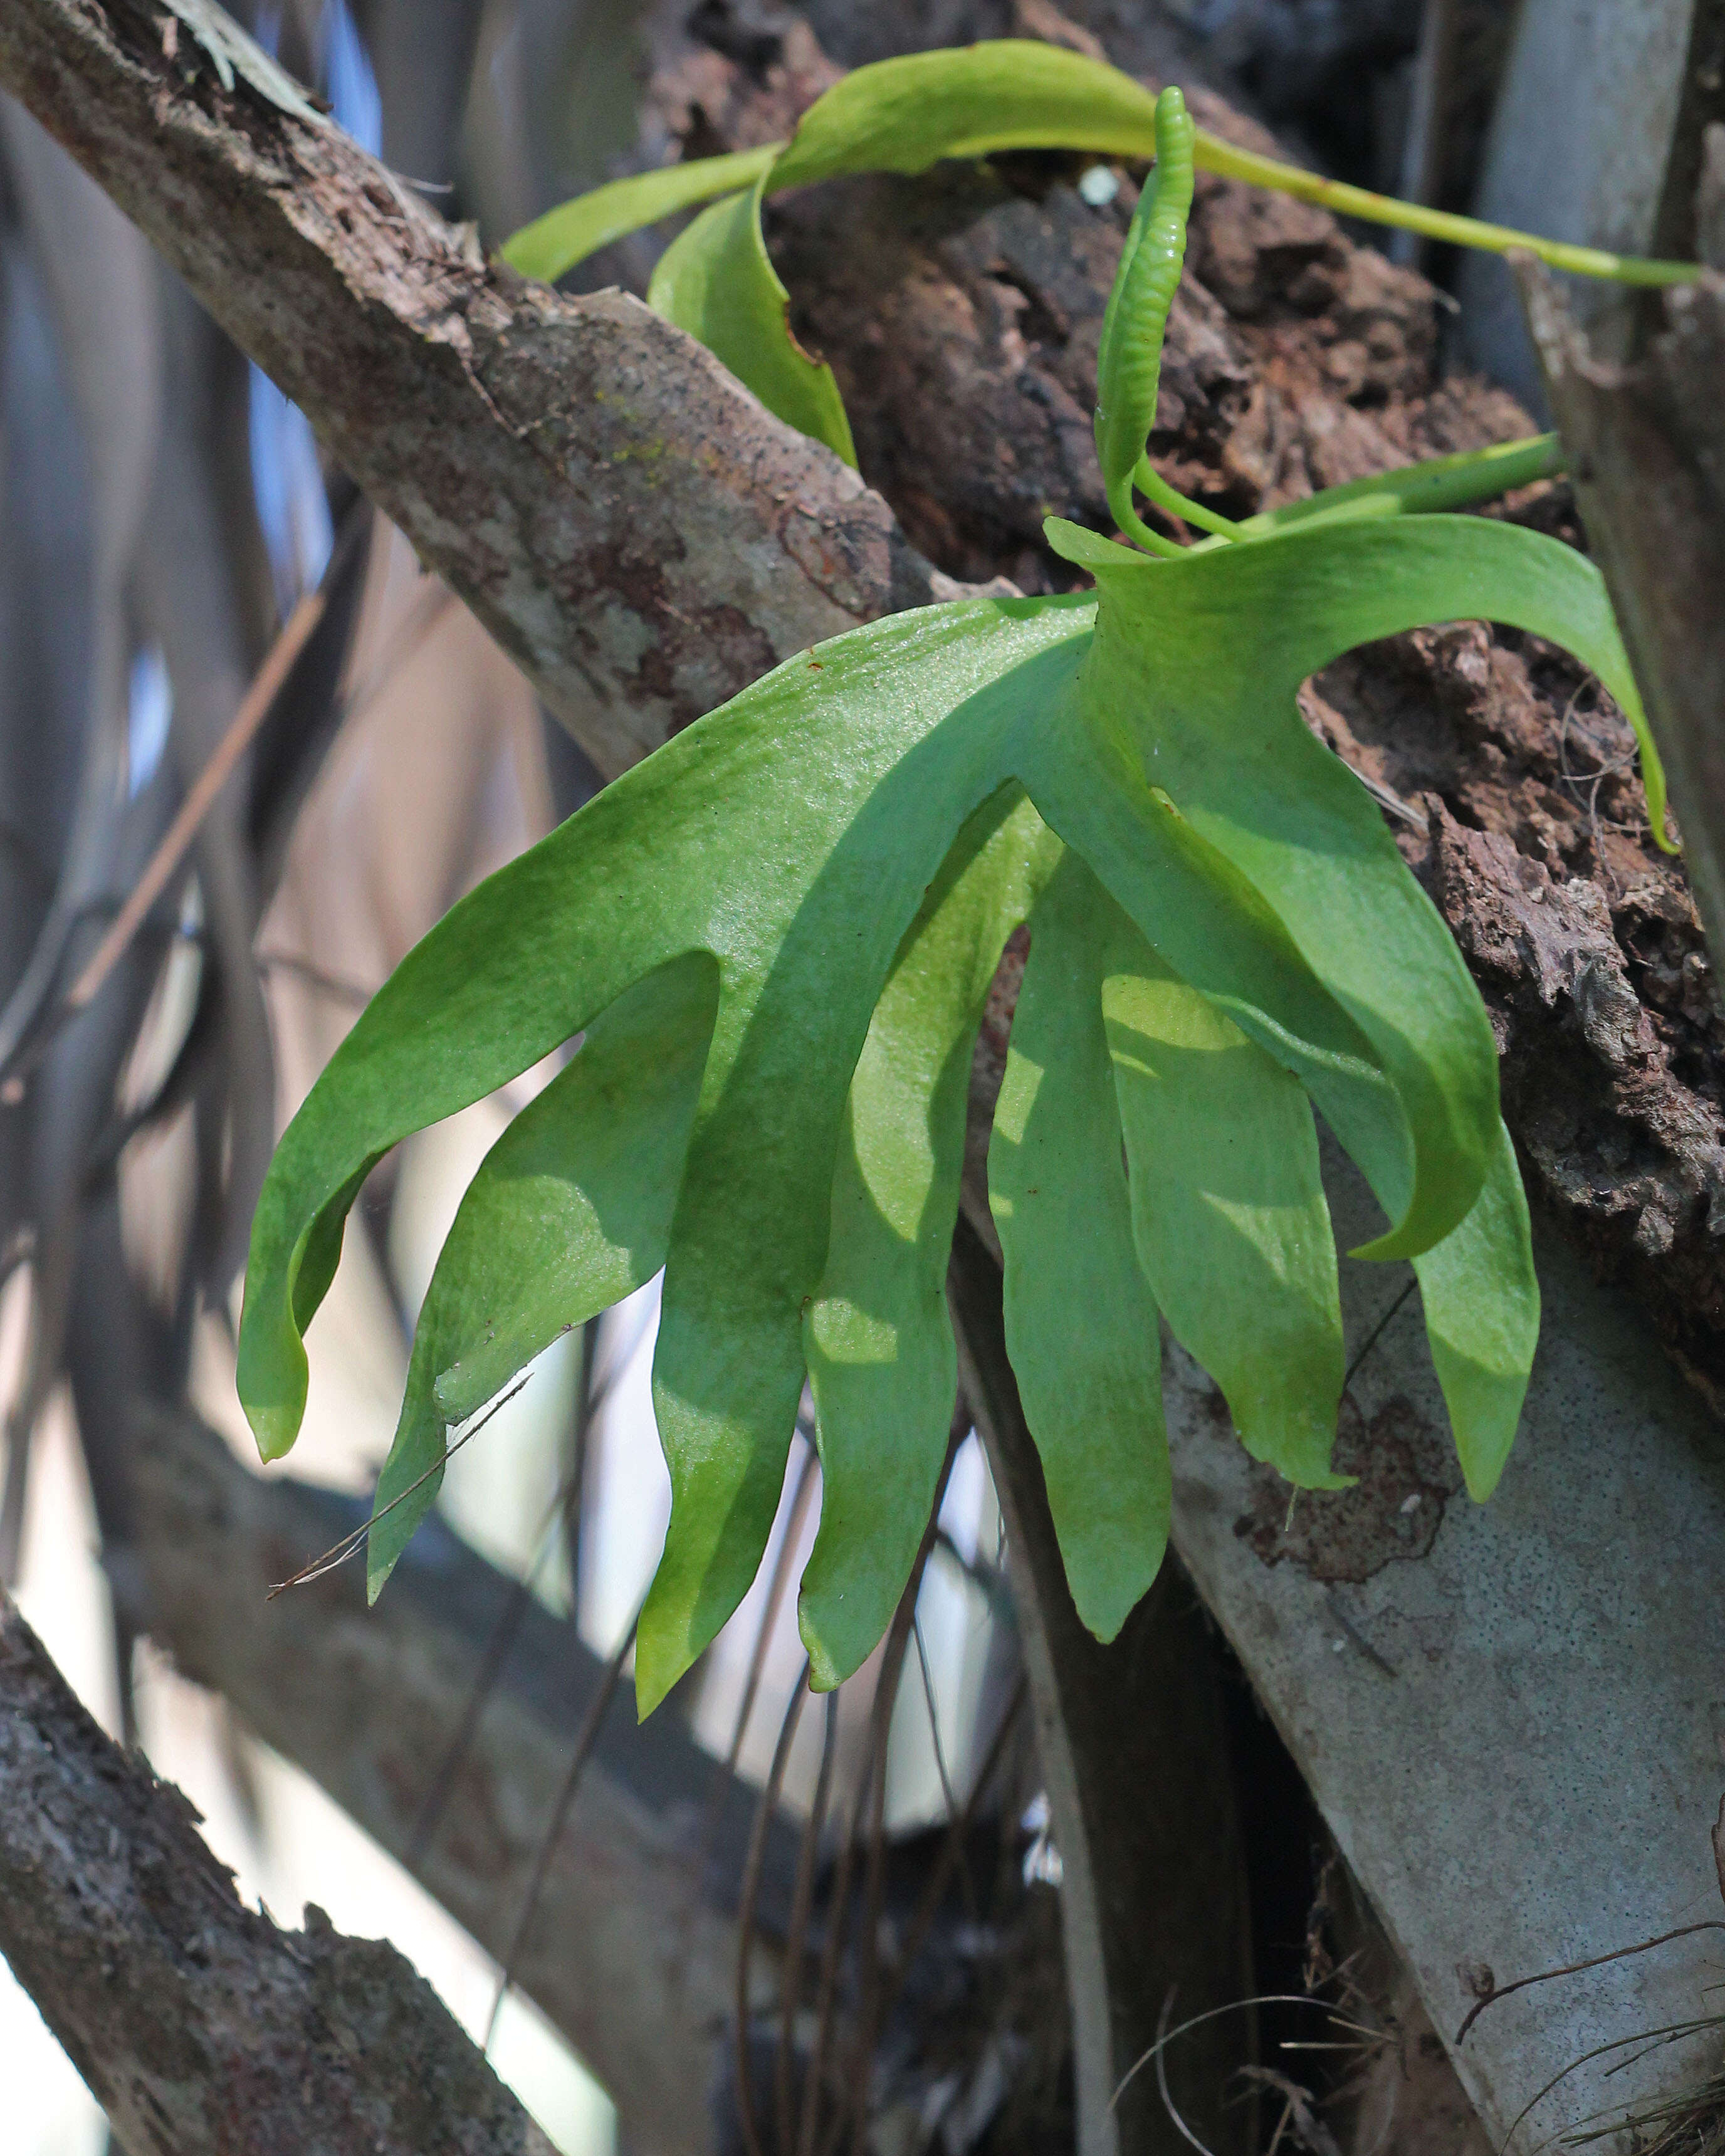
x: 601, y: 491
x: 1647, y: 445
x: 201, y: 2029
x: 443, y: 1721
x: 443, y: 1724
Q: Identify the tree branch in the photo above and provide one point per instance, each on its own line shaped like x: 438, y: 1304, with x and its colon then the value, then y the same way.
x: 632, y: 1953
x: 201, y: 2028
x: 628, y: 522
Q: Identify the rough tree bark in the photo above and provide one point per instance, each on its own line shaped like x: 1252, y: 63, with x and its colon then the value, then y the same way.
x: 632, y: 1953
x: 1648, y: 446
x: 201, y: 2029
x: 573, y: 467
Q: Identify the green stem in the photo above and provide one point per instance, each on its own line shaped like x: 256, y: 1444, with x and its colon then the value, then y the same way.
x: 1452, y: 482
x: 1215, y: 156
x: 1120, y: 500
x: 1151, y: 483
x: 554, y: 243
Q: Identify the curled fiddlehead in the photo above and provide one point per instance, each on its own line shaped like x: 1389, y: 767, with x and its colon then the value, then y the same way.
x: 1129, y: 363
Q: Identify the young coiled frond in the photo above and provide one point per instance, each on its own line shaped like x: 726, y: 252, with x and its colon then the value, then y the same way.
x: 1129, y: 362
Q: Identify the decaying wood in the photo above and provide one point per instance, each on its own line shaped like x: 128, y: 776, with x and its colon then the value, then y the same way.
x: 201, y: 2028
x: 577, y: 469
x: 632, y: 1953
x: 1647, y: 447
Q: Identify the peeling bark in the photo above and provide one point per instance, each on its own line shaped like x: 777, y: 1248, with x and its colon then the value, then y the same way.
x: 1648, y: 443
x: 201, y: 2029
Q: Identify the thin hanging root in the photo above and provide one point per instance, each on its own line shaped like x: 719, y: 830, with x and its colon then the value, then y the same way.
x: 586, y: 1739
x: 1167, y: 2036
x: 565, y: 1505
x: 797, y: 1933
x: 952, y: 1850
x: 838, y: 1926
x: 1692, y: 2124
x: 749, y: 1900
x: 892, y: 1666
x: 350, y: 1545
x: 1492, y: 1992
x: 725, y: 1772
x: 1180, y: 2124
x: 1650, y: 2040
x: 939, y: 1759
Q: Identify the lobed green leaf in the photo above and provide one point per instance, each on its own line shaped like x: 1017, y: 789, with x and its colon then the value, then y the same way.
x: 897, y: 115
x: 778, y: 934
x: 789, y: 917
x: 904, y: 115
x: 1229, y: 1214
x: 1080, y: 1320
x: 1197, y: 663
x: 843, y: 777
x: 877, y: 1336
x: 570, y: 1211
x: 1482, y: 1301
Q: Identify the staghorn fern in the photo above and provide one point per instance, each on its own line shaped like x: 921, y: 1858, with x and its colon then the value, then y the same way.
x: 777, y: 935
